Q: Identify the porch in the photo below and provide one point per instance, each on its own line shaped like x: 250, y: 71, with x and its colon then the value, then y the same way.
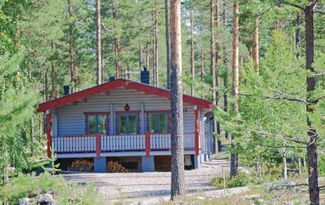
x: 99, y: 145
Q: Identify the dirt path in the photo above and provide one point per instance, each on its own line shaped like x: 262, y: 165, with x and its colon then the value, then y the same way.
x: 135, y: 187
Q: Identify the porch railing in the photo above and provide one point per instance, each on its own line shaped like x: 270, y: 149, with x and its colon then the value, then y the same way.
x: 117, y: 143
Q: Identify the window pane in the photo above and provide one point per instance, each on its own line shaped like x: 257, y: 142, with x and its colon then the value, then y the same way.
x: 92, y: 129
x: 163, y: 123
x: 122, y: 124
x: 102, y: 124
x: 133, y: 124
x: 153, y: 123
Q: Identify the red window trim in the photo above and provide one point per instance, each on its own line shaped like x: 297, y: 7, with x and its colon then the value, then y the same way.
x: 97, y: 113
x: 158, y: 111
x: 117, y: 113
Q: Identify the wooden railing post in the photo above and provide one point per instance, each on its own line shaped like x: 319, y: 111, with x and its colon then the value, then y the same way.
x: 197, y: 133
x: 147, y: 139
x: 98, y: 145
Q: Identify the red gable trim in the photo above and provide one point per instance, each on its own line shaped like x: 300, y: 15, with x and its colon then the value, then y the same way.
x: 116, y: 84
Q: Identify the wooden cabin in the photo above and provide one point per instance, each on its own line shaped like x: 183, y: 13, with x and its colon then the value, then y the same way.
x: 126, y: 121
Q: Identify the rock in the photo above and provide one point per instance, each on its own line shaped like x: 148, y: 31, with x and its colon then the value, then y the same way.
x: 45, y: 199
x: 34, y: 193
x: 281, y: 185
x: 201, y: 198
x: 255, y: 196
x: 24, y: 201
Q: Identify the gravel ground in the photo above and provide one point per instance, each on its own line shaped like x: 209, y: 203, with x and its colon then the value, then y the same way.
x: 137, y: 187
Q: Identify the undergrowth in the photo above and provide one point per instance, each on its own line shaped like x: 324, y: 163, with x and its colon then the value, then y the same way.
x: 28, y: 185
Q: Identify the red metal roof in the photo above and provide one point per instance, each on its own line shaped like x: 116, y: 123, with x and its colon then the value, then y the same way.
x: 119, y: 83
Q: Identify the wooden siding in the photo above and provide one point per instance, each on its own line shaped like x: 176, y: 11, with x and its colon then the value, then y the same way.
x: 71, y: 118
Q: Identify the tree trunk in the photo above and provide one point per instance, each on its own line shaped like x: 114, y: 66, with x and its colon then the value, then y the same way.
x: 167, y: 42
x: 202, y: 72
x: 224, y: 15
x: 256, y: 54
x: 155, y: 46
x: 213, y: 67
x: 285, y: 167
x: 311, y: 86
x: 99, y: 44
x: 46, y: 87
x: 192, y: 53
x: 72, y: 54
x: 117, y: 44
x: 212, y: 52
x: 225, y: 61
x: 140, y: 57
x: 235, y: 79
x: 32, y: 134
x: 54, y: 93
x: 40, y: 124
x: 298, y: 34
x: 299, y: 167
x: 5, y: 182
x: 216, y: 23
x: 258, y: 166
x: 177, y: 137
x: 148, y: 52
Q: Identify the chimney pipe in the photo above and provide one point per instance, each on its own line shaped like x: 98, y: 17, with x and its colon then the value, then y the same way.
x: 144, y: 76
x: 66, y: 89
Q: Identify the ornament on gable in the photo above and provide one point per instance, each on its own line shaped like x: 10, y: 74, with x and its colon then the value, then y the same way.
x: 127, y: 107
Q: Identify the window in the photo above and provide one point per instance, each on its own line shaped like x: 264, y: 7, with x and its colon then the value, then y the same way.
x: 127, y: 123
x: 97, y: 123
x: 158, y: 122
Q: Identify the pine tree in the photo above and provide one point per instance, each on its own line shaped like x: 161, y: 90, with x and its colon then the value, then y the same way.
x: 235, y: 80
x: 99, y: 44
x: 177, y: 135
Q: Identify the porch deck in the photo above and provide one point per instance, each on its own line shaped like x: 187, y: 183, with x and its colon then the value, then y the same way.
x: 98, y: 145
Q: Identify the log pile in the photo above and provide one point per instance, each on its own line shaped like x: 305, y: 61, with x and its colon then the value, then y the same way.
x: 115, y: 167
x: 82, y: 165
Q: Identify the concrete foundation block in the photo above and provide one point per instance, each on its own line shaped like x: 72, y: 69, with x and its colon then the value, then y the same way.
x: 100, y: 165
x: 197, y: 161
x: 147, y: 164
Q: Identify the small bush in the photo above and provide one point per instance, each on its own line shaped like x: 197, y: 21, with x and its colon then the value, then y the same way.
x: 238, y: 181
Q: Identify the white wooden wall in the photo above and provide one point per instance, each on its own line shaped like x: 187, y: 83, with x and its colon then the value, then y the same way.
x: 71, y: 118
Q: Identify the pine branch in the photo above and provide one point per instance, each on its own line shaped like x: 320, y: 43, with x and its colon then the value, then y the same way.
x: 322, y: 73
x: 294, y: 99
x: 296, y: 141
x: 264, y: 12
x: 318, y: 11
x: 292, y: 4
x: 313, y: 3
x: 278, y: 147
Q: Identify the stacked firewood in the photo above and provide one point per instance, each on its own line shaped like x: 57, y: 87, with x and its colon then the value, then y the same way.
x: 115, y: 167
x: 82, y: 165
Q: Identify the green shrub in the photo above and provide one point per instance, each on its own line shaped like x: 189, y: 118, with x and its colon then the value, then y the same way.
x: 240, y: 180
